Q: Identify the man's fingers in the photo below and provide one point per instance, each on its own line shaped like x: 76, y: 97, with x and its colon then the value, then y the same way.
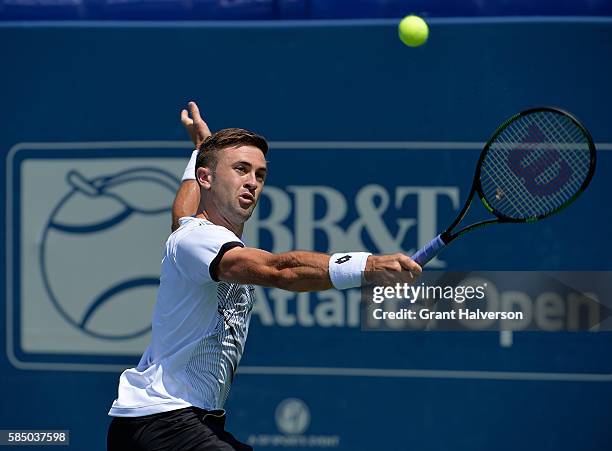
x: 409, y: 264
x: 194, y: 111
x: 199, y: 123
x: 185, y: 119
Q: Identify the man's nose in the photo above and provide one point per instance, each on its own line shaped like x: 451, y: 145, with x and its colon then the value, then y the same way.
x: 251, y: 181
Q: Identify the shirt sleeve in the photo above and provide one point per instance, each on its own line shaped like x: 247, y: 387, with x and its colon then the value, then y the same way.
x: 199, y: 253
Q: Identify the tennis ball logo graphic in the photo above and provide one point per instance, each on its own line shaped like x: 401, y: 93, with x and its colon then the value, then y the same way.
x: 101, y: 249
x: 292, y: 416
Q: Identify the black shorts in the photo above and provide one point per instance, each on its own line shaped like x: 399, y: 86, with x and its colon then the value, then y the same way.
x: 183, y: 429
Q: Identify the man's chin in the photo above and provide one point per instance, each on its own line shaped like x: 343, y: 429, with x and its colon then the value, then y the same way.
x: 246, y: 212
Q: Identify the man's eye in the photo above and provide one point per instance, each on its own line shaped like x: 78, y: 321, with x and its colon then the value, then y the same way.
x: 240, y: 169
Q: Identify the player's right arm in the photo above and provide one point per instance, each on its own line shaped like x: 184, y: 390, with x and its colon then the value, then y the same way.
x: 301, y: 270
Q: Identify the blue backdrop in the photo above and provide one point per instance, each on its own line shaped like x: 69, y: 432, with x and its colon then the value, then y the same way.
x: 290, y: 9
x: 361, y: 127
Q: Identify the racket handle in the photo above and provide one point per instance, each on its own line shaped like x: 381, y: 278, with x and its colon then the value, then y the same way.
x: 429, y: 251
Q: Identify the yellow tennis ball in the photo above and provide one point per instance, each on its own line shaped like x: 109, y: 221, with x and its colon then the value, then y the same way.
x: 413, y: 31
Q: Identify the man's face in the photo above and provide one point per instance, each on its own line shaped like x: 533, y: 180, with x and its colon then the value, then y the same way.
x: 237, y: 182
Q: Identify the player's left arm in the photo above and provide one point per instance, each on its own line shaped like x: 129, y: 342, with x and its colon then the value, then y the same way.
x: 188, y: 195
x: 185, y: 202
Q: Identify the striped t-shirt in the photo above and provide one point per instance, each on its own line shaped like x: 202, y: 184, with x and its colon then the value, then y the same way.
x: 199, y: 328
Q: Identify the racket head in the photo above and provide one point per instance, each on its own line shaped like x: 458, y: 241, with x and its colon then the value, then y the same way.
x: 534, y: 165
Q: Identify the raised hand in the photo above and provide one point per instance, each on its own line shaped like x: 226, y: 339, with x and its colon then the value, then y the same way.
x: 194, y: 124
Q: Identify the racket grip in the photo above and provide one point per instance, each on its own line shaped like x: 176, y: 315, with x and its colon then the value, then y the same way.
x: 429, y: 251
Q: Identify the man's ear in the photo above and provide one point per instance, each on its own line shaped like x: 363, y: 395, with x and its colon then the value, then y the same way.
x: 204, y: 177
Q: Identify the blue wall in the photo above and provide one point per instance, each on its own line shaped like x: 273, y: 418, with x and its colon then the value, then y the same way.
x: 303, y: 86
x: 290, y: 9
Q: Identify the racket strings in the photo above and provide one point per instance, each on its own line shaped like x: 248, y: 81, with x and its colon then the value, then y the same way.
x: 525, y: 203
x: 538, y: 164
x: 535, y: 165
x: 563, y: 135
x: 502, y: 188
x: 579, y: 156
x: 516, y: 193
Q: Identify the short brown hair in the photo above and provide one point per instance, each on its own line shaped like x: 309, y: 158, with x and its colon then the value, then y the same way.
x: 226, y: 138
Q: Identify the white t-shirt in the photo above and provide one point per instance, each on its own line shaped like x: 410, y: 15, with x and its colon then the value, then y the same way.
x: 199, y: 328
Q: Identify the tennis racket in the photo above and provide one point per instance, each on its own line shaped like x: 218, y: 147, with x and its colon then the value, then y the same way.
x: 535, y: 164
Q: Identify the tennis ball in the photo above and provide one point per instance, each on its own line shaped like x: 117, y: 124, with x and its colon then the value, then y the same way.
x: 413, y: 31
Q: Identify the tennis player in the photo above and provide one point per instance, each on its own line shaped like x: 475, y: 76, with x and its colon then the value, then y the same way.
x: 174, y: 398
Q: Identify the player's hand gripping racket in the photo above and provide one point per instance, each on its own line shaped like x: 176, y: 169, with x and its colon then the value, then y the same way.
x: 535, y: 164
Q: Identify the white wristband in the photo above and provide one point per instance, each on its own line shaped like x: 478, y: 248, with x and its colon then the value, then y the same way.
x: 189, y: 173
x: 346, y: 269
